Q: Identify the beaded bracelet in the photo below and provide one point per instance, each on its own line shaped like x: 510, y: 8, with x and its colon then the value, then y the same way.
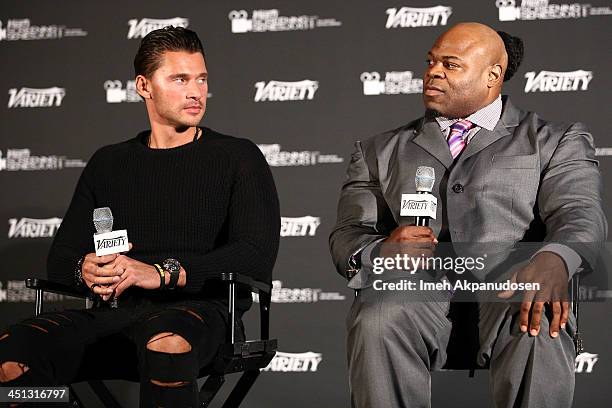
x: 78, y: 273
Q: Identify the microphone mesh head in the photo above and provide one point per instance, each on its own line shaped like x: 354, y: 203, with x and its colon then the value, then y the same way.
x: 425, y: 179
x: 103, y: 220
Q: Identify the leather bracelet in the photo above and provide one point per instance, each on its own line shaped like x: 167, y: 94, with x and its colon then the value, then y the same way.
x: 162, y: 277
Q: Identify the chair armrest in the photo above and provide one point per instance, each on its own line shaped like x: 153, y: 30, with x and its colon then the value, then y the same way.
x: 55, y: 287
x: 246, y: 280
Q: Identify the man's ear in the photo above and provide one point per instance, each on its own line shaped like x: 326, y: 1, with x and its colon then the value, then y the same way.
x: 496, y: 76
x: 143, y: 87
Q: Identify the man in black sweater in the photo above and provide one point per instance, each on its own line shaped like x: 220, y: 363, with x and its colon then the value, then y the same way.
x: 196, y: 203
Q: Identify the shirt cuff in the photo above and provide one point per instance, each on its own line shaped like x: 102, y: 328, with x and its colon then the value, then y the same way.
x: 570, y: 257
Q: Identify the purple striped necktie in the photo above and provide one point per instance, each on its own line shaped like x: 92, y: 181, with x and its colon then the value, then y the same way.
x: 456, y: 137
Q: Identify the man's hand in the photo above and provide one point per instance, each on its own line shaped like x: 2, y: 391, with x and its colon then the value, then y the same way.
x: 411, y: 240
x: 94, y: 273
x: 549, y: 270
x: 131, y: 273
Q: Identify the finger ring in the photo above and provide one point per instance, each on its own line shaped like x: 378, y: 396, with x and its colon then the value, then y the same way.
x: 93, y: 286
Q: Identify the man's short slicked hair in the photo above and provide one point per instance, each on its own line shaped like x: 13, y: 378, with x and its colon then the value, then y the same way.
x: 157, y: 42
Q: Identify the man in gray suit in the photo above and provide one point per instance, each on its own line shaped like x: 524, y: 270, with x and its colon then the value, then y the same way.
x: 504, y: 176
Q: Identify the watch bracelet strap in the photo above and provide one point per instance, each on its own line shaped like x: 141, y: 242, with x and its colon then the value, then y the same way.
x: 174, y: 277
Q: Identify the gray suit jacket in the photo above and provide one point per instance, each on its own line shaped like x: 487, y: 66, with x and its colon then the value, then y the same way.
x: 527, y: 180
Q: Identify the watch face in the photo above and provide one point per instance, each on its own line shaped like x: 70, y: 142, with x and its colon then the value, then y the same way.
x: 172, y: 265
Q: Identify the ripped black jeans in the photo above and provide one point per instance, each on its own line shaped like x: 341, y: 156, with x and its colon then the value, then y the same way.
x: 139, y: 340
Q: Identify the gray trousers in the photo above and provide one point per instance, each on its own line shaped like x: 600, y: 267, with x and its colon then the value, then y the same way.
x: 395, y: 340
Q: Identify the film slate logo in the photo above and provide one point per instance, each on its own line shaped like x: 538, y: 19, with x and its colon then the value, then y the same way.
x: 283, y: 91
x: 299, y: 226
x: 294, y: 362
x: 585, y: 362
x: 33, y: 228
x: 279, y: 158
x: 116, y: 93
x: 140, y: 28
x: 299, y: 295
x: 409, y: 17
x: 549, y: 81
x: 271, y: 20
x: 395, y: 82
x: 22, y: 29
x: 36, y: 97
x: 543, y: 10
x: 23, y: 160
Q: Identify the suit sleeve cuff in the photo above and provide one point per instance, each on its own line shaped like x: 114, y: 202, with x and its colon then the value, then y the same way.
x: 570, y: 257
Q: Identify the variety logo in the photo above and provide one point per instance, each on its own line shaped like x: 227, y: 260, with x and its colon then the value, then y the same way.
x: 22, y: 29
x: 36, y: 97
x: 22, y: 159
x: 395, y: 82
x: 548, y: 81
x: 33, y: 228
x: 140, y: 28
x: 299, y: 226
x: 585, y: 362
x: 542, y: 10
x: 408, y: 17
x: 299, y: 295
x: 282, y: 91
x: 16, y: 291
x: 294, y: 362
x: 278, y: 158
x: 271, y: 20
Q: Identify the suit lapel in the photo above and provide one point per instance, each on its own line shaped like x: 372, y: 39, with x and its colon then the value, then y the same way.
x: 485, y: 138
x: 431, y: 139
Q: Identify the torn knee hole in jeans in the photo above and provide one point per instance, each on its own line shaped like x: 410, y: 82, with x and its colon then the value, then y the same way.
x: 48, y: 320
x: 8, y: 370
x: 65, y: 317
x: 191, y: 312
x: 35, y: 327
x: 154, y: 316
x: 172, y: 343
x: 154, y: 339
x: 170, y: 384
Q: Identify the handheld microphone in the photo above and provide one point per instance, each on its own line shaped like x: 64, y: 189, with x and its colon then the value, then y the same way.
x: 107, y: 241
x: 422, y: 205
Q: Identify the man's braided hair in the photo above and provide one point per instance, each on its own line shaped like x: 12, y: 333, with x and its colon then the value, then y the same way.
x: 515, y: 50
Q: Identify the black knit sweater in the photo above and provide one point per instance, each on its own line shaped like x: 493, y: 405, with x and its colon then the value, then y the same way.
x: 211, y: 204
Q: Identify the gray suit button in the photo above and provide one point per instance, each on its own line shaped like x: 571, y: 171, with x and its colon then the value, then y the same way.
x: 458, y: 188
